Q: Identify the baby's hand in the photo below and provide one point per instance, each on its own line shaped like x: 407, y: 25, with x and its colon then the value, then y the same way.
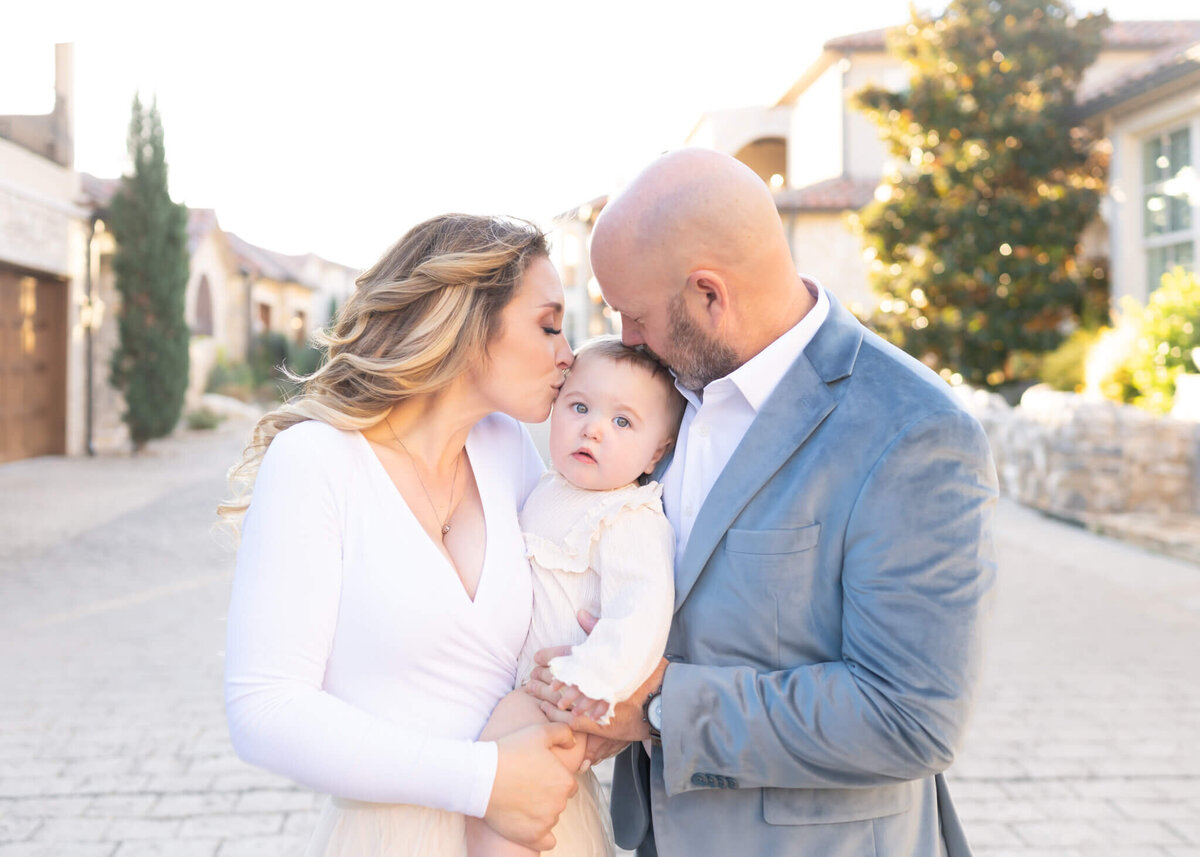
x: 548, y: 689
x: 572, y: 699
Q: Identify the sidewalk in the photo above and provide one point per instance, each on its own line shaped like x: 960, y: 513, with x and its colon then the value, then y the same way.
x: 113, y: 591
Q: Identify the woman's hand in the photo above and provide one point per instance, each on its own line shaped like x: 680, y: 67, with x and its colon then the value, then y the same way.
x: 531, y: 787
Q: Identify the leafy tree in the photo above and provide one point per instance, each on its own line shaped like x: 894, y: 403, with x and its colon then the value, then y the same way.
x: 974, y: 231
x: 150, y: 363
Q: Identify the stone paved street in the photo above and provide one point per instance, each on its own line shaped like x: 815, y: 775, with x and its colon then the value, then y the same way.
x: 113, y: 592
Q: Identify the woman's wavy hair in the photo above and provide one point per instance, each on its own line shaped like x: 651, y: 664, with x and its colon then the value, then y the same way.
x: 418, y: 319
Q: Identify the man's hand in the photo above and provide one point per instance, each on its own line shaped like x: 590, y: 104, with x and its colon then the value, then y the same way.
x: 599, y: 749
x: 531, y: 787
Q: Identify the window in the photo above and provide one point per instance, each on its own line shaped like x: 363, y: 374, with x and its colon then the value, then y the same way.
x: 1169, y: 191
x: 299, y: 327
x: 204, y: 308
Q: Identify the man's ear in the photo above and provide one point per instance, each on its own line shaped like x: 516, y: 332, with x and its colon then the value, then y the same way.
x: 706, y: 291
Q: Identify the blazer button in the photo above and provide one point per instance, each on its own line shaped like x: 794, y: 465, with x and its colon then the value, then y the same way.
x: 699, y: 780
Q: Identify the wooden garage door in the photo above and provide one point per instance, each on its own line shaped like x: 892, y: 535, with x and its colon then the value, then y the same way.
x: 33, y: 365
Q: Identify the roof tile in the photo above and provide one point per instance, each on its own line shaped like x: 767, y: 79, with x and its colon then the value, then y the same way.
x: 836, y: 194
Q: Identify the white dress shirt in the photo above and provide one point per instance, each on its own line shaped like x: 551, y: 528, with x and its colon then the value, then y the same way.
x: 715, y: 421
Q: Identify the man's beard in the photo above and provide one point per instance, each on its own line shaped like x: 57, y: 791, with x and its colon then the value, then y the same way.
x: 696, y: 358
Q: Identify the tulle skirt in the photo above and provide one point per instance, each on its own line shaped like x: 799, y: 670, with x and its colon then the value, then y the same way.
x: 347, y: 828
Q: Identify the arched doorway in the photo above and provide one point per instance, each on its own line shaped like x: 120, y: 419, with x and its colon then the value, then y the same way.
x: 767, y: 156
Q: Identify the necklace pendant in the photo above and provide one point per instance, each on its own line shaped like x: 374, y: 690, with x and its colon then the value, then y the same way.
x: 445, y: 529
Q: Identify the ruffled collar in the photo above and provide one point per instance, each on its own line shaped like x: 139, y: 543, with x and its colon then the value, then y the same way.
x: 585, y: 512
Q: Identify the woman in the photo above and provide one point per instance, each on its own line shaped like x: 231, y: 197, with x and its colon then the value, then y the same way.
x: 382, y: 594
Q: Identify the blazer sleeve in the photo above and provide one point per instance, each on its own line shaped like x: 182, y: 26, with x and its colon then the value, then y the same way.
x: 918, y: 568
x: 634, y: 559
x: 283, y: 614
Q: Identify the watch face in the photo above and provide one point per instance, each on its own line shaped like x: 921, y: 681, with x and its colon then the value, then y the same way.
x: 654, y: 715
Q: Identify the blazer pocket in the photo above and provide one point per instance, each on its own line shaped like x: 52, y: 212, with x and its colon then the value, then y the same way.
x: 770, y: 554
x: 833, y: 806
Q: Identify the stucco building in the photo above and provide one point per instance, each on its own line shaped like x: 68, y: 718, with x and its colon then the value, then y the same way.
x: 823, y: 158
x: 586, y: 315
x: 1150, y: 114
x: 58, y: 301
x: 42, y: 288
x: 236, y: 291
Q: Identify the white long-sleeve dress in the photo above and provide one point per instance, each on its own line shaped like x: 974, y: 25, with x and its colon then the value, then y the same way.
x: 355, y: 663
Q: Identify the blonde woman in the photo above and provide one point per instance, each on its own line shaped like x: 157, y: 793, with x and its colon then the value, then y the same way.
x: 382, y: 593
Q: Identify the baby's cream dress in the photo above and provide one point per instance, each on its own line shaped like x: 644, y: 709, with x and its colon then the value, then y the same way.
x: 610, y: 553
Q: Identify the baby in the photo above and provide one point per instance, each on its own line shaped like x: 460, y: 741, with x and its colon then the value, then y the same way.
x: 598, y: 541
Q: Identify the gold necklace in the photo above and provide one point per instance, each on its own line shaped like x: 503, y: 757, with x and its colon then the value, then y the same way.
x: 453, y: 480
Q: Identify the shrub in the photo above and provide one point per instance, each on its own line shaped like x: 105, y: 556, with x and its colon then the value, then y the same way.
x: 1063, y: 368
x: 304, y: 359
x: 1167, y: 331
x: 231, y: 379
x: 268, y: 352
x: 270, y: 355
x: 1140, y: 359
x: 203, y: 418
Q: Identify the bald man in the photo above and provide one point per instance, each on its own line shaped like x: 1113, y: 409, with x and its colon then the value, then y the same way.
x: 833, y: 506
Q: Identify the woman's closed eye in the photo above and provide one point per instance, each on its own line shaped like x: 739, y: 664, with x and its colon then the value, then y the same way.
x: 551, y: 331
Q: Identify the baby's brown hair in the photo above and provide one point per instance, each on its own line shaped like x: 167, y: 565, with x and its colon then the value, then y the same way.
x: 612, y: 348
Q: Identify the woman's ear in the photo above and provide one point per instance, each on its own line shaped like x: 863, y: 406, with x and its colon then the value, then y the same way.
x: 708, y: 293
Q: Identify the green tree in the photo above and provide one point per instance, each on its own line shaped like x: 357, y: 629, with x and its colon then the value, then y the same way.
x: 973, y: 234
x: 150, y: 363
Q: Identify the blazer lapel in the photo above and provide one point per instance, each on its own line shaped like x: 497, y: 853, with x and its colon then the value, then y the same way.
x: 791, y: 413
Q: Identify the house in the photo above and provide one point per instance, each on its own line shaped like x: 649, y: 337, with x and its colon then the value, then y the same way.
x: 236, y: 291
x: 58, y: 300
x: 43, y: 289
x: 1150, y: 114
x: 585, y: 314
x: 823, y: 158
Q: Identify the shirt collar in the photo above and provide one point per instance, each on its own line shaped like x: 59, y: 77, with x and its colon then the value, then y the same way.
x: 758, y: 377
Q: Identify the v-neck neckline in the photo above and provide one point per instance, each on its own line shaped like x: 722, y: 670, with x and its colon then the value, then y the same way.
x: 444, y: 556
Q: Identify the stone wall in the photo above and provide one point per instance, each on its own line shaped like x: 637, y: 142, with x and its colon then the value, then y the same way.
x: 1079, y: 457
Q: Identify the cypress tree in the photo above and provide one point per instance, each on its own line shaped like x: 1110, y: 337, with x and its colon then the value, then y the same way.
x: 150, y: 363
x: 973, y: 234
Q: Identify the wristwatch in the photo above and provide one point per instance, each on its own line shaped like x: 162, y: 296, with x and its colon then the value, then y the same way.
x: 652, y: 714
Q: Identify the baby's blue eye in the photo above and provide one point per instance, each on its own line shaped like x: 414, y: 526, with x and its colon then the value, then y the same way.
x: 579, y: 408
x: 622, y: 422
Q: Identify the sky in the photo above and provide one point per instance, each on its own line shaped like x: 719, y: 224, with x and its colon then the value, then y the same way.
x: 333, y: 127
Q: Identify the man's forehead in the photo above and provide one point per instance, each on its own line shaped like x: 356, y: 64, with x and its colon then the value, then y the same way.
x: 633, y: 299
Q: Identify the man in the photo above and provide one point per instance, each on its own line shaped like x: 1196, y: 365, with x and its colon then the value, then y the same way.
x: 833, y: 507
